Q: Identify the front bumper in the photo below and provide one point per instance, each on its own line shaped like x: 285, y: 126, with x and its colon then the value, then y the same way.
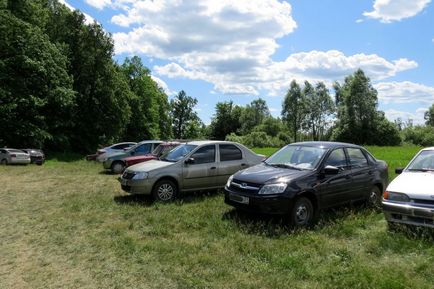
x: 268, y: 204
x: 408, y: 213
x: 139, y: 187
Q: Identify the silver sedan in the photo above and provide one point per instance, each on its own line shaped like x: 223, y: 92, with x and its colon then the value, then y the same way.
x: 13, y: 156
x: 193, y: 166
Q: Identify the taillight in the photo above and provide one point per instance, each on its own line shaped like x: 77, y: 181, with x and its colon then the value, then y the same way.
x: 385, y: 195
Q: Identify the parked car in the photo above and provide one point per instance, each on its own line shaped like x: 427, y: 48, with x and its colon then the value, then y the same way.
x: 302, y: 178
x: 115, y: 162
x: 409, y: 198
x: 193, y: 166
x: 13, y: 156
x: 160, y: 150
x: 115, y: 148
x: 36, y: 156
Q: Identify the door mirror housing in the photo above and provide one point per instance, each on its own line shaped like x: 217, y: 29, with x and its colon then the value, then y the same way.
x: 331, y: 170
x: 189, y: 161
x: 399, y: 170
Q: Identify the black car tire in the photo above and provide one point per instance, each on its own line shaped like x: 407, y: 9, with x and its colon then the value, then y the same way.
x: 164, y: 191
x: 117, y: 167
x: 4, y: 162
x: 374, y: 198
x: 302, y: 214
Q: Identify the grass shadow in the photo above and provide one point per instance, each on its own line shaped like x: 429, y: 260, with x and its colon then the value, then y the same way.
x: 413, y: 232
x: 195, y: 197
x: 63, y: 156
x: 141, y: 200
x: 108, y: 173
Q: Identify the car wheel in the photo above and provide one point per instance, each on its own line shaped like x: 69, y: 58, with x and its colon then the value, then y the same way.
x: 302, y: 213
x: 374, y: 199
x: 164, y: 191
x: 4, y: 162
x: 118, y: 167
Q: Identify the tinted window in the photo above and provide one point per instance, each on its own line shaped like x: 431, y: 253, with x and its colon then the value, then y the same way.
x: 204, y: 155
x: 144, y: 148
x: 230, y: 153
x: 122, y: 146
x: 336, y: 159
x: 357, y: 158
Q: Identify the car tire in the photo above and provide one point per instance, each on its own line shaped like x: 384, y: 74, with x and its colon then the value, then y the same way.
x: 302, y: 213
x: 164, y: 191
x: 117, y: 167
x: 374, y: 198
x: 4, y: 162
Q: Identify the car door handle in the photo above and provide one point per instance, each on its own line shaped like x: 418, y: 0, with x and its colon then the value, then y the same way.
x: 212, y: 168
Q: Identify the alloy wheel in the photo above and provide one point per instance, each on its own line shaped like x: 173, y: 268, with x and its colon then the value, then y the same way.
x: 165, y: 192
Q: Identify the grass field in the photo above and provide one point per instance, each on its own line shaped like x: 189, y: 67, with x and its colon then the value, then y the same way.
x: 69, y: 225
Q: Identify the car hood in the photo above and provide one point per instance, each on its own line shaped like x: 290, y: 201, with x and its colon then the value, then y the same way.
x: 261, y: 174
x: 149, y: 166
x: 417, y: 185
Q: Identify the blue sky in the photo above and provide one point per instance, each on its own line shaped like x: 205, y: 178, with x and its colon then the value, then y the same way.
x: 241, y: 50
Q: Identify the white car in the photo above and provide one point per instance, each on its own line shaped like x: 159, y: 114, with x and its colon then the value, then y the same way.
x: 409, y: 198
x: 13, y: 156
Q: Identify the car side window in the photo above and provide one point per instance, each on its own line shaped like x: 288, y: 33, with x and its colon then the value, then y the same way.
x: 337, y: 159
x: 357, y: 158
x: 144, y: 148
x: 204, y: 155
x: 229, y: 152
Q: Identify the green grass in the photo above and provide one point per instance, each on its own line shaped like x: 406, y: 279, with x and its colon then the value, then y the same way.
x: 68, y: 225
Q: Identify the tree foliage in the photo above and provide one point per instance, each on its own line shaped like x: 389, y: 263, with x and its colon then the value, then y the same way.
x: 186, y: 123
x: 294, y: 109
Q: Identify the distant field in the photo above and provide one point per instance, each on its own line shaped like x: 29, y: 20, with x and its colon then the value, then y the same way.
x: 68, y: 225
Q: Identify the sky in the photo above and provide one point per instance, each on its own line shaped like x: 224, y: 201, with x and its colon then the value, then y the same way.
x: 221, y: 50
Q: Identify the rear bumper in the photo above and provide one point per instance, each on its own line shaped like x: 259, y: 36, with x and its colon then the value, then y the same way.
x: 19, y: 161
x: 276, y: 205
x: 409, y: 214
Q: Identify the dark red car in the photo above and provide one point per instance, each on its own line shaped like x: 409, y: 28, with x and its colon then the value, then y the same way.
x: 158, y: 152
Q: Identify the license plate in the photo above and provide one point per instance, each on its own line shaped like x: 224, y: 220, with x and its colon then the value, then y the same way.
x: 239, y: 199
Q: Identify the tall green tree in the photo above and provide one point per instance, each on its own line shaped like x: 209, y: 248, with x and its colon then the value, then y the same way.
x: 429, y: 116
x: 358, y: 119
x: 226, y: 120
x: 294, y: 109
x: 186, y: 122
x: 319, y: 109
x: 253, y: 114
x: 36, y: 96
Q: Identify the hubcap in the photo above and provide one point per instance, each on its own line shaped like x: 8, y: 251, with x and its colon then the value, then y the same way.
x: 373, y: 198
x: 165, y: 192
x: 301, y: 214
x: 118, y: 168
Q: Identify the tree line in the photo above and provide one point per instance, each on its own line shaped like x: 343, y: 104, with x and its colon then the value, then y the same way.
x: 61, y: 90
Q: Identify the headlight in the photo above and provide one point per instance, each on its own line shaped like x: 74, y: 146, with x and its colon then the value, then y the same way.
x: 397, y: 197
x: 140, y: 176
x: 273, y: 189
x: 228, y: 183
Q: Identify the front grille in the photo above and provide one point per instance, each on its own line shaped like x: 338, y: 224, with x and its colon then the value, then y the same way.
x: 128, y: 175
x: 244, y: 187
x: 423, y: 202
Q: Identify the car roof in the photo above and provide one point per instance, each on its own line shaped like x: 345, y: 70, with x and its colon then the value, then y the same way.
x: 326, y: 144
x: 203, y: 142
x: 150, y: 141
x: 428, y: 149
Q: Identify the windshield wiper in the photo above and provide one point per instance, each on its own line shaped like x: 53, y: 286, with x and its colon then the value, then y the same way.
x: 286, y: 166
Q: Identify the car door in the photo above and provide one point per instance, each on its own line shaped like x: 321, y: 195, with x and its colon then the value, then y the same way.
x: 336, y: 189
x: 231, y: 160
x: 361, y: 172
x: 201, y: 170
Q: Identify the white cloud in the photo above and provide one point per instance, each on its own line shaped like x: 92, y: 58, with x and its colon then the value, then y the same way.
x: 99, y: 4
x: 417, y: 117
x: 231, y: 43
x: 405, y: 92
x: 395, y: 10
x: 162, y: 84
x: 87, y: 18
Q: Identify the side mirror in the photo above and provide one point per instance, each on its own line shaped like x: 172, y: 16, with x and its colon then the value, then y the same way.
x: 331, y: 170
x: 399, y: 170
x: 189, y: 161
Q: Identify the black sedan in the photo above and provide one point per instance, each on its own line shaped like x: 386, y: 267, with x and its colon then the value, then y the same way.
x: 302, y: 178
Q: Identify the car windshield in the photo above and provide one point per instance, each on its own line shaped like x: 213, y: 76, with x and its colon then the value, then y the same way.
x: 297, y: 157
x: 178, y: 153
x: 424, y: 161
